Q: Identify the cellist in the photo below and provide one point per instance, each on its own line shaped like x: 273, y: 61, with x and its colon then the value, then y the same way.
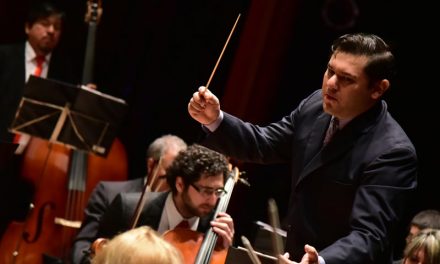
x: 196, y: 178
x: 160, y: 154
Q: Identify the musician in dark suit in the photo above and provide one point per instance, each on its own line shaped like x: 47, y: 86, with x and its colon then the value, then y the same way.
x: 160, y: 154
x: 43, y: 29
x: 348, y: 189
x: 196, y: 178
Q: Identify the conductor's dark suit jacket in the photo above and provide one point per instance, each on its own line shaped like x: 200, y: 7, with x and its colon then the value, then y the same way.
x: 346, y: 197
x: 98, y: 203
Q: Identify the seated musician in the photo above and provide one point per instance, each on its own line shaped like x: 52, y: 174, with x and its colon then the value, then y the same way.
x: 196, y: 178
x: 160, y: 154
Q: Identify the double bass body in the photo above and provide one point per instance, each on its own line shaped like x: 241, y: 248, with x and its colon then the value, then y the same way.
x: 60, y: 197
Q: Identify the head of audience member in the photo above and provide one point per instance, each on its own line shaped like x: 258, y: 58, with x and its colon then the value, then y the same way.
x: 197, y: 178
x: 43, y: 26
x: 424, y: 219
x: 139, y: 245
x: 424, y: 248
x: 160, y: 155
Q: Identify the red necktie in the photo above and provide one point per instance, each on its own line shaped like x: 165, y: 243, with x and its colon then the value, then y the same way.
x: 40, y: 60
x: 183, y: 224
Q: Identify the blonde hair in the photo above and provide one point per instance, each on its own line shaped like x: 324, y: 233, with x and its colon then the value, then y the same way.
x: 427, y: 240
x: 139, y: 245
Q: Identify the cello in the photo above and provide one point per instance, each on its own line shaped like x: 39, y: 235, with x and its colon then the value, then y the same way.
x: 63, y: 179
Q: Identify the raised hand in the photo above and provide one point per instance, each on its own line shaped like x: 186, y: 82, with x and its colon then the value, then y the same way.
x: 204, y: 106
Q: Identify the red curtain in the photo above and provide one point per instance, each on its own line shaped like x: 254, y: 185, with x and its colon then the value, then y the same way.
x: 253, y: 80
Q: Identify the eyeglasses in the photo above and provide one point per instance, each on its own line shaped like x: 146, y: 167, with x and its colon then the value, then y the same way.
x: 207, y: 191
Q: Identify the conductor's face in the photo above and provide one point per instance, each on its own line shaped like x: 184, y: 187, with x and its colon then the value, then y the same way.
x: 44, y: 34
x: 345, y: 88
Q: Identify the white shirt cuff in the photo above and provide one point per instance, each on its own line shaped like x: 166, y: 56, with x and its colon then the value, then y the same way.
x: 214, y: 125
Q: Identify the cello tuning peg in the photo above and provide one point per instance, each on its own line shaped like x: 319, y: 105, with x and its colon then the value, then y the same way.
x: 245, y: 182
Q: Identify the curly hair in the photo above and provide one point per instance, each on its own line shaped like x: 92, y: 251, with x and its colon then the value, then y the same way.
x: 193, y: 163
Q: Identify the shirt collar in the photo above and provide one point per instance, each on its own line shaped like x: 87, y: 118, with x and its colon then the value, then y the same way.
x: 174, y: 217
x: 30, y: 54
x: 343, y: 122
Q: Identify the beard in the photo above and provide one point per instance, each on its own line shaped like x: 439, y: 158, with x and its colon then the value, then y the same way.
x: 201, y: 210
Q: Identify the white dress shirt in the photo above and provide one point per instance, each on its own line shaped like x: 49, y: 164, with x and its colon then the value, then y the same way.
x: 171, y: 217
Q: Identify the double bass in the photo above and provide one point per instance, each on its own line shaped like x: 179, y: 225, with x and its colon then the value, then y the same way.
x: 63, y: 179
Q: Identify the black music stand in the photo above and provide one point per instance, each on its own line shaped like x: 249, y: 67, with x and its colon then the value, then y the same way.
x: 76, y: 116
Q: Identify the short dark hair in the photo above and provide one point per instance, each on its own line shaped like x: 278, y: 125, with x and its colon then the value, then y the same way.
x: 193, y: 163
x: 42, y: 9
x: 427, y: 219
x: 381, y: 62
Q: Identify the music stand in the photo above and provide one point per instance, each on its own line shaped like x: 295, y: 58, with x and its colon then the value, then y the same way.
x: 76, y: 116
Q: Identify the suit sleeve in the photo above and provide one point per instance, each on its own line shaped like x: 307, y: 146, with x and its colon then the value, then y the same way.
x: 87, y: 234
x: 116, y: 219
x: 259, y: 144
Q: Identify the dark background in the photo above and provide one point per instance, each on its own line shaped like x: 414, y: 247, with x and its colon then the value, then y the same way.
x: 154, y: 54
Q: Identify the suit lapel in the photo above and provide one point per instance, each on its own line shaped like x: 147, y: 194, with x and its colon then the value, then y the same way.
x: 316, y: 136
x: 341, y: 142
x: 153, y: 210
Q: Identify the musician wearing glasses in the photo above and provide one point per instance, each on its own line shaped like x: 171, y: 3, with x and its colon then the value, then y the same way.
x: 196, y: 177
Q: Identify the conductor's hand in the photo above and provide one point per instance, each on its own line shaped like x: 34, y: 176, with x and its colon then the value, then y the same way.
x: 223, y: 225
x: 204, y: 106
x: 310, y: 257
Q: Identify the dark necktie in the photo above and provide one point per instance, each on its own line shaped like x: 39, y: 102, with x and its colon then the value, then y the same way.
x: 334, y: 126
